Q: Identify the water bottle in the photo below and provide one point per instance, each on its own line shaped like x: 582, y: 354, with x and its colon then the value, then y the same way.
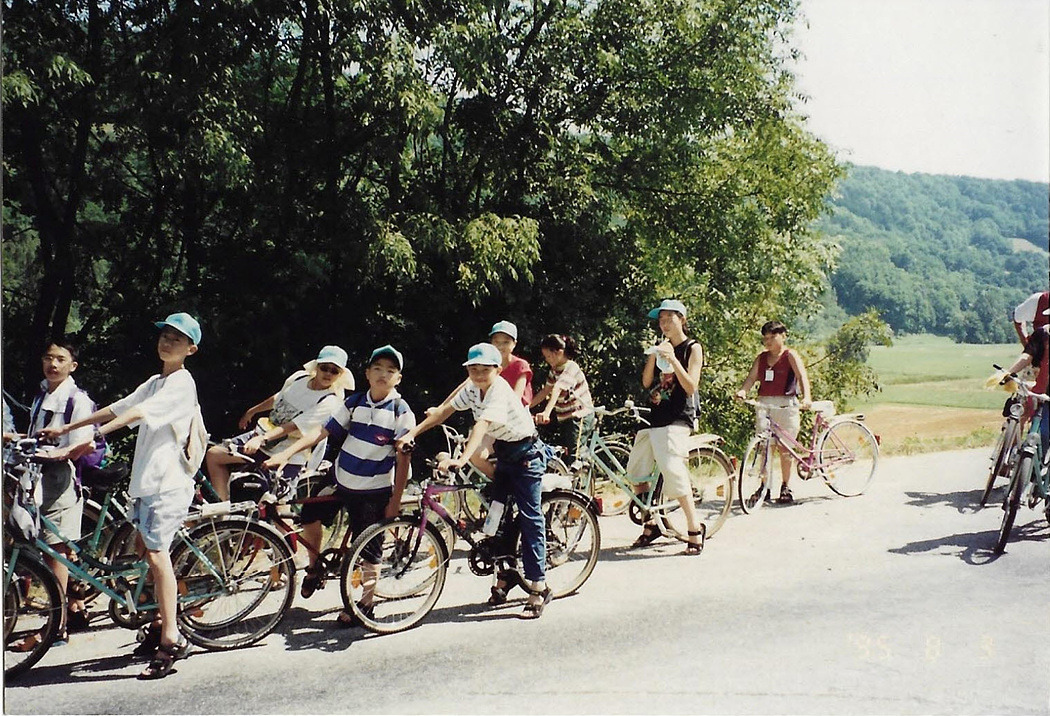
x: 493, y: 518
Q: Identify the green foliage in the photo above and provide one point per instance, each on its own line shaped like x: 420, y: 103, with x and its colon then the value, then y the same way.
x: 932, y: 253
x: 369, y: 172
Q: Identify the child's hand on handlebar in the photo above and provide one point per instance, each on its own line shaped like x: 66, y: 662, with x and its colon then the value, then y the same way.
x: 449, y: 464
x: 252, y: 446
x: 50, y: 434
x: 740, y: 394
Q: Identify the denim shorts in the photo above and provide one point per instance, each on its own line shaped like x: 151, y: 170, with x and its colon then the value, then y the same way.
x: 158, y: 517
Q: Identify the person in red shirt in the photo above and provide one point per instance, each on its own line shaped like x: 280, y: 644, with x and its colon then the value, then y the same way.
x: 1036, y: 351
x: 781, y: 375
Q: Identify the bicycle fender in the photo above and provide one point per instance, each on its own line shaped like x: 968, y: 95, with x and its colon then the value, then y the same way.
x: 704, y: 440
x: 552, y: 481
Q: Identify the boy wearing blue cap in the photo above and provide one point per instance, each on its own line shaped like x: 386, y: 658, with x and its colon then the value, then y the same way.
x: 521, y: 459
x: 161, y: 488
x: 369, y: 475
x: 305, y: 402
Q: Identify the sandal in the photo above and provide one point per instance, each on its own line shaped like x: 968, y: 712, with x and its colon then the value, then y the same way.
x: 313, y: 581
x: 164, y: 660
x: 535, y: 611
x: 786, y: 497
x: 498, y: 596
x: 695, y: 548
x: 77, y: 621
x: 650, y: 533
x: 149, y: 639
x: 349, y: 620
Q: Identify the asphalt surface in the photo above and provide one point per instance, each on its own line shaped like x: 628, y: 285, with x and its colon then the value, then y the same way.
x: 891, y: 602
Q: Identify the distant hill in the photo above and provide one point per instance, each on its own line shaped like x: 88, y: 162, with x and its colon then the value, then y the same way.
x: 938, y: 254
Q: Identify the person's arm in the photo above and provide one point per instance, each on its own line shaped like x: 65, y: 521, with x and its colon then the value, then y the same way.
x: 306, y: 440
x: 519, y: 387
x: 1021, y: 363
x: 752, y: 378
x: 540, y: 396
x: 799, y: 367
x: 544, y: 416
x: 689, y: 378
x: 278, y: 433
x: 1019, y: 330
x: 440, y: 415
x: 106, y: 416
x: 649, y: 371
x: 255, y: 410
x: 403, y: 460
x: 477, y: 434
x: 448, y: 400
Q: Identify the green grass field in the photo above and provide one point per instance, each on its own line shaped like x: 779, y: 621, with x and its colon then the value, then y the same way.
x: 933, y: 395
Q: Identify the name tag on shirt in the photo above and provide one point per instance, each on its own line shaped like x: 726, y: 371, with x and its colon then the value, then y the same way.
x: 769, y: 375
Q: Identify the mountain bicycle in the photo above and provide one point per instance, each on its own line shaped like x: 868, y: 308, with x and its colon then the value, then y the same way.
x: 234, y: 575
x: 1006, y: 445
x: 841, y: 450
x: 397, y: 569
x: 1029, y: 479
x: 601, y: 471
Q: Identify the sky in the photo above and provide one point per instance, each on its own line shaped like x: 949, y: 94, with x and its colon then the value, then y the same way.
x: 935, y: 86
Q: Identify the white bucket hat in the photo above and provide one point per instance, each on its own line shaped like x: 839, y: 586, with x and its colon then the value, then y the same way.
x: 336, y: 356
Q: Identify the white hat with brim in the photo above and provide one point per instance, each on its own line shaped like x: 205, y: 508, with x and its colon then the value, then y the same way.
x: 336, y: 356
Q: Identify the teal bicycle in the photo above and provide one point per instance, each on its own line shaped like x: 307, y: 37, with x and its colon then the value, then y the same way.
x: 601, y: 472
x: 235, y: 575
x: 1029, y: 480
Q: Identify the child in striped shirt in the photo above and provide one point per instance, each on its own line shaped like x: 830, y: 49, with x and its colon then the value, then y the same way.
x: 370, y: 474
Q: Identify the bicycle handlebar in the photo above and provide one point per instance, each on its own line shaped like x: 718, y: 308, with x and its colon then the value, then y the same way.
x: 1022, y: 387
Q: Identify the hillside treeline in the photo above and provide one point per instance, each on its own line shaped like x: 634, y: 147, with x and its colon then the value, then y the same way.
x: 936, y: 254
x: 305, y: 173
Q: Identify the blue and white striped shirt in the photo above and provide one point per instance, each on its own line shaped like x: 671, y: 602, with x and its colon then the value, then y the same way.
x: 368, y: 430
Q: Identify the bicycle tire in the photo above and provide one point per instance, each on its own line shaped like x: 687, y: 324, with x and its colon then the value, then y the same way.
x: 331, y: 535
x: 1002, y: 457
x: 248, y: 592
x: 574, y: 540
x: 711, y: 479
x: 754, y: 476
x: 410, y: 578
x: 33, y: 609
x: 1018, y: 479
x: 123, y: 547
x: 847, y: 457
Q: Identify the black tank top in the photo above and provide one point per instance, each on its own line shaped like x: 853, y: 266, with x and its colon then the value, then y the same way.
x: 675, y: 407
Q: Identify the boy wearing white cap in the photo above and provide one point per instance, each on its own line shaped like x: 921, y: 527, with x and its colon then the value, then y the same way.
x: 521, y: 459
x: 369, y: 474
x: 305, y: 402
x: 161, y: 487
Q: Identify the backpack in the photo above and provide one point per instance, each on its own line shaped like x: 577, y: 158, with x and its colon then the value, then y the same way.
x: 94, y: 459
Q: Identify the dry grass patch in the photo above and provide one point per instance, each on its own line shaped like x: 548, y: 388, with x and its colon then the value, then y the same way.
x: 907, y: 429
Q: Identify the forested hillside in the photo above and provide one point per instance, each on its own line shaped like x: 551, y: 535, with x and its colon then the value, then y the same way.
x: 938, y: 254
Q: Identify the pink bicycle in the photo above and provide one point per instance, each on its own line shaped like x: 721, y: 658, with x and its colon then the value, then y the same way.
x: 841, y: 450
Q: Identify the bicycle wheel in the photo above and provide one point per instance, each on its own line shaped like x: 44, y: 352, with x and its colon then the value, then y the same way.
x: 1018, y: 479
x: 847, y: 456
x: 236, y: 582
x: 1002, y: 457
x: 613, y: 500
x: 123, y: 550
x: 33, y: 608
x: 400, y: 568
x: 574, y: 539
x: 711, y: 478
x: 755, y: 475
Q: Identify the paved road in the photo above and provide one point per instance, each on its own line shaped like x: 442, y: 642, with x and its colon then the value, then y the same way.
x: 886, y: 603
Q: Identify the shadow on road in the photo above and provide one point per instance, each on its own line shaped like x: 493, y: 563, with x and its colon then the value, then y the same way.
x: 975, y: 547
x: 963, y: 502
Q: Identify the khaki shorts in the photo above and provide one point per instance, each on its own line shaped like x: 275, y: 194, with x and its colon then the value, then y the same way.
x: 60, y: 504
x: 666, y: 448
x: 158, y: 517
x: 782, y: 410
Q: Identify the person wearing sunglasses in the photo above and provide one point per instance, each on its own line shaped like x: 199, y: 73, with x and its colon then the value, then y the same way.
x: 304, y: 403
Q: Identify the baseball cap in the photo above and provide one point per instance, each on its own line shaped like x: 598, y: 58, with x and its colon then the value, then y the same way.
x: 668, y: 304
x: 332, y: 354
x: 388, y: 350
x: 505, y: 327
x: 484, y: 354
x: 185, y: 324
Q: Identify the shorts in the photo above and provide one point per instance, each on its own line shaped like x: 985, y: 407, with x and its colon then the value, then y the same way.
x: 158, y: 517
x: 667, y: 448
x: 782, y: 410
x: 61, y: 505
x: 364, y: 509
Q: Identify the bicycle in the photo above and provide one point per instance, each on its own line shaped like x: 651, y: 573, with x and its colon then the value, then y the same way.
x: 1029, y: 481
x: 235, y: 575
x: 601, y: 472
x: 841, y: 450
x: 1006, y: 445
x: 406, y: 581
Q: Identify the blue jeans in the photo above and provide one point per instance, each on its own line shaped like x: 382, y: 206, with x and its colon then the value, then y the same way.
x: 522, y: 478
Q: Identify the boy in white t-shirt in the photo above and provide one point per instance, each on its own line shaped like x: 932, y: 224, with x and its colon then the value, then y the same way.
x: 521, y: 459
x: 305, y: 402
x: 161, y: 487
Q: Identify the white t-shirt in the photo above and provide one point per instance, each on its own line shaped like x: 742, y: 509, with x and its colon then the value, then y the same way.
x: 508, y: 418
x: 54, y: 405
x: 307, y: 408
x: 168, y: 405
x: 1025, y: 312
